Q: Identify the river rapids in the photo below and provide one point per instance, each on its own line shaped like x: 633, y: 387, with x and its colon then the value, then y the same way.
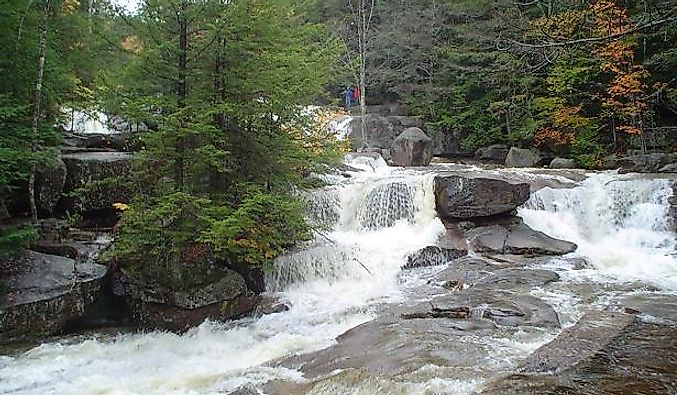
x: 368, y: 224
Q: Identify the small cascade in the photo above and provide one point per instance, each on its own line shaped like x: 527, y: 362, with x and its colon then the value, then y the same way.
x: 386, y: 204
x: 621, y: 224
x: 81, y: 122
x: 351, y: 223
x: 323, y: 207
x: 320, y: 260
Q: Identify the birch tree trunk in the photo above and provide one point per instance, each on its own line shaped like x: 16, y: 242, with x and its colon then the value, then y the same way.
x: 37, y: 111
x: 364, y: 14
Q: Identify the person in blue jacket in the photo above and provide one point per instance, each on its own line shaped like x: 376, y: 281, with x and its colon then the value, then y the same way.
x: 347, y: 98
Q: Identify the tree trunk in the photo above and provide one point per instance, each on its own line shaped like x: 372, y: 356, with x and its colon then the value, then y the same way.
x: 364, y: 13
x: 42, y: 47
x: 182, y: 92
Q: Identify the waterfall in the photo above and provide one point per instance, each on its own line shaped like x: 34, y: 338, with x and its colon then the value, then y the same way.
x: 367, y: 224
x: 353, y: 222
x: 620, y: 223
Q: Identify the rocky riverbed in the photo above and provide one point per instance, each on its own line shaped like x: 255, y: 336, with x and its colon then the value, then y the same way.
x: 446, y: 279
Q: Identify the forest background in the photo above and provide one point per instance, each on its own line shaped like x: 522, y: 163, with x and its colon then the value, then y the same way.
x: 223, y: 86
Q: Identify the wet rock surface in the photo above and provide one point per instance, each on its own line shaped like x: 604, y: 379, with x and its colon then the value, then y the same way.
x: 267, y: 304
x: 464, y: 272
x: 222, y: 294
x: 433, y: 256
x: 492, y: 299
x: 45, y: 292
x: 516, y: 238
x: 460, y: 197
x: 604, y: 353
x: 385, y: 346
x: 502, y: 308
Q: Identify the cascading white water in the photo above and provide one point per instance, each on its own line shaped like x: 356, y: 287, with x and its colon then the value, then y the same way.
x: 331, y: 286
x: 620, y: 223
x: 366, y: 224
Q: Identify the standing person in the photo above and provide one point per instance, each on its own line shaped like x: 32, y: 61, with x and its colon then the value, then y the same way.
x: 356, y: 94
x: 347, y: 98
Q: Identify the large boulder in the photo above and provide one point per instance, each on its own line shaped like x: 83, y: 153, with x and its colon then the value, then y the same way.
x: 459, y: 197
x: 182, y: 302
x: 520, y: 157
x: 49, y: 185
x: 494, y: 153
x: 562, y: 163
x: 44, y: 293
x: 99, y: 176
x: 412, y: 148
x: 516, y: 238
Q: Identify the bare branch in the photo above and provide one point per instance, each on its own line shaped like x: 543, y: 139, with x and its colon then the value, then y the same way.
x: 610, y: 37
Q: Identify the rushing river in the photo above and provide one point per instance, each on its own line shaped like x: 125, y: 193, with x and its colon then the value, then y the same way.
x: 371, y: 221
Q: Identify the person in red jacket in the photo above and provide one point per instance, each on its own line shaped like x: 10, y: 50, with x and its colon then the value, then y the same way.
x: 356, y: 95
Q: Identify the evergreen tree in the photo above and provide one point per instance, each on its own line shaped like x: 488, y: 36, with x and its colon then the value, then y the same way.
x: 224, y: 86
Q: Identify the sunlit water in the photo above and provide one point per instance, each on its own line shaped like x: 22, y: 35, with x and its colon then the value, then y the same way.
x: 366, y: 226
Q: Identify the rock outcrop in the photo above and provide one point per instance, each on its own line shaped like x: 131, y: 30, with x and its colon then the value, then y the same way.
x: 45, y: 292
x: 520, y: 157
x: 647, y: 163
x: 181, y: 302
x: 477, y: 273
x: 49, y: 185
x: 606, y: 352
x: 459, y: 197
x: 380, y: 130
x: 516, y: 238
x: 102, y: 174
x: 562, y: 163
x: 502, y: 308
x: 495, y: 153
x: 412, y: 148
x: 433, y: 256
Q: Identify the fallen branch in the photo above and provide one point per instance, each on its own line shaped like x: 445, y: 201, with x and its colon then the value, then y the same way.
x: 336, y: 244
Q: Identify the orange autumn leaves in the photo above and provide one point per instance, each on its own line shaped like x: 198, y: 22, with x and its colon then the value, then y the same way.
x: 565, y: 120
x: 622, y: 101
x: 619, y: 101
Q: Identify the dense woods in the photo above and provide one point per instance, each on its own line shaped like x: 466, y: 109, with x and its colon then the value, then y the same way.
x: 580, y: 78
x: 222, y: 87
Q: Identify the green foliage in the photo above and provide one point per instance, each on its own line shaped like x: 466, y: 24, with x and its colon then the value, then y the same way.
x: 15, y: 238
x: 258, y: 229
x: 458, y: 64
x: 159, y: 235
x: 159, y: 228
x: 230, y: 140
